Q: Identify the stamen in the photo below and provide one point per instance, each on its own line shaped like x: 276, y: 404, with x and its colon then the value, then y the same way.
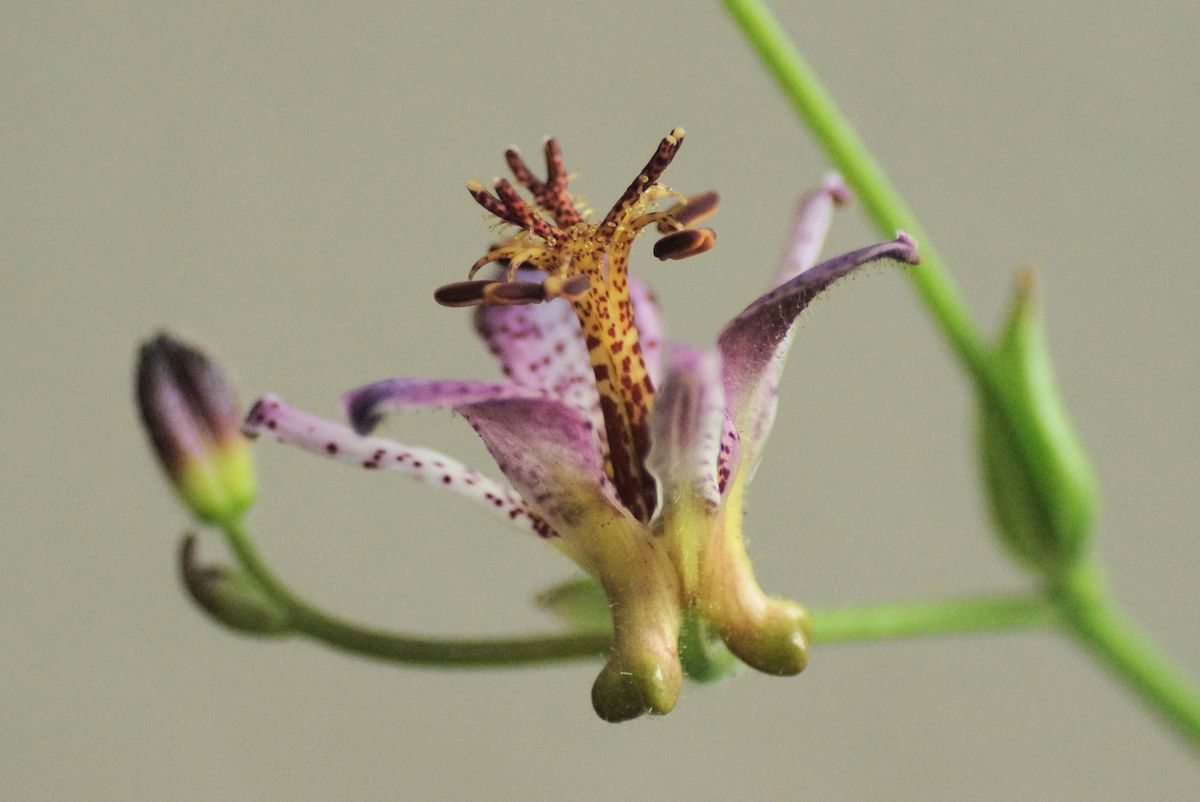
x: 513, y: 293
x: 462, y: 293
x: 500, y: 254
x: 664, y: 219
x: 572, y: 288
x: 693, y: 210
x: 649, y: 174
x: 682, y: 244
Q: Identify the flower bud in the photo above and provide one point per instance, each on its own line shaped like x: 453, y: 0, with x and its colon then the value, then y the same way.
x: 230, y: 596
x: 194, y: 425
x: 1039, y: 481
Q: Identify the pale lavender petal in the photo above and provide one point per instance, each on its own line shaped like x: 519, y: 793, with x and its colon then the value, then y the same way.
x: 650, y: 330
x: 540, y: 346
x: 753, y: 345
x: 297, y: 428
x: 366, y: 405
x: 813, y: 216
x: 687, y: 426
x: 547, y: 451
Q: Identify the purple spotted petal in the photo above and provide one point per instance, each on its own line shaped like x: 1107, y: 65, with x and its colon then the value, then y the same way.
x: 687, y: 425
x: 753, y: 345
x: 541, y: 347
x: 813, y: 216
x: 366, y: 405
x: 296, y: 428
x: 650, y: 330
x: 548, y: 451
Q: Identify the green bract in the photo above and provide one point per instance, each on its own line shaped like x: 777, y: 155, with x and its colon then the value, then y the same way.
x: 1039, y: 483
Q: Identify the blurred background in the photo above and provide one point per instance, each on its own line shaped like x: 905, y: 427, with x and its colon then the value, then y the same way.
x: 284, y: 184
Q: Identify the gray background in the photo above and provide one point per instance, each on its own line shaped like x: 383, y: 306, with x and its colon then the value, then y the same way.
x: 284, y: 183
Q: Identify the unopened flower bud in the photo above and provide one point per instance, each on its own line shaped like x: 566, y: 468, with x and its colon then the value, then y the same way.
x: 195, y: 428
x: 1038, y: 478
x: 230, y: 596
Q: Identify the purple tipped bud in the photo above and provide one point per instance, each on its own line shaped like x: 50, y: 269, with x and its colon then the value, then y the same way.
x: 192, y: 418
x: 229, y: 596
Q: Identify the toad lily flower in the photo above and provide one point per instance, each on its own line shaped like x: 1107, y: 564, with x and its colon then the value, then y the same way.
x: 630, y: 458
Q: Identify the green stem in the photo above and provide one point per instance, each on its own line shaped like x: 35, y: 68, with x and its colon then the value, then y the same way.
x: 1086, y: 608
x: 878, y: 622
x: 914, y: 619
x: 1102, y: 627
x: 864, y: 175
x: 402, y: 648
x: 704, y: 658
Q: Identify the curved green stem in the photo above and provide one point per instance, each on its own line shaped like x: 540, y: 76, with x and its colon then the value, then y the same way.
x: 1102, y: 627
x: 402, y: 648
x: 877, y: 622
x: 915, y: 619
x: 1084, y: 607
x: 852, y: 158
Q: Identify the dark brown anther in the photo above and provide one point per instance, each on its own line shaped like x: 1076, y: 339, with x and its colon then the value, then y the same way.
x: 514, y: 293
x: 682, y: 244
x: 649, y: 174
x: 575, y: 286
x: 697, y: 208
x: 571, y: 288
x: 462, y: 293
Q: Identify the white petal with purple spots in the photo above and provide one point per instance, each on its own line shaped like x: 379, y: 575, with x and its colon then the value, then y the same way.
x: 687, y: 425
x: 333, y: 440
x: 547, y: 450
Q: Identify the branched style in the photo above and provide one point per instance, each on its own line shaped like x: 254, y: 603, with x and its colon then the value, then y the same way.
x: 588, y: 264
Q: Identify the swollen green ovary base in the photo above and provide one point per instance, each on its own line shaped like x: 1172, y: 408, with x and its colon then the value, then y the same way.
x: 643, y: 673
x: 771, y: 635
x: 693, y: 563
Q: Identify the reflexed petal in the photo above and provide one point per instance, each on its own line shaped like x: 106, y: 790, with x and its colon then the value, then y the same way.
x: 650, y: 330
x: 296, y: 428
x: 548, y: 451
x: 366, y: 405
x: 753, y: 345
x: 813, y: 216
x: 687, y: 425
